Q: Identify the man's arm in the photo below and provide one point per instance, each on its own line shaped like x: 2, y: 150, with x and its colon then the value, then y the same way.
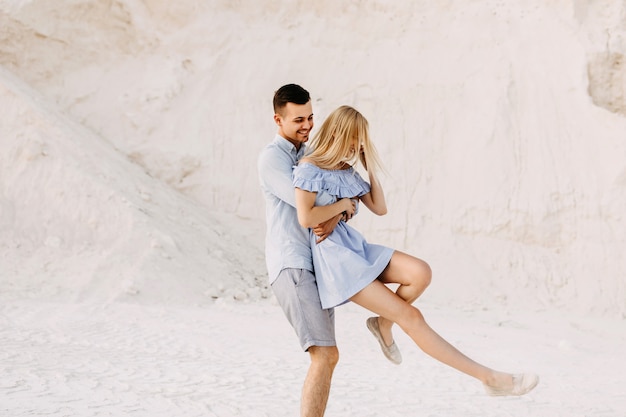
x: 324, y: 229
x: 275, y: 173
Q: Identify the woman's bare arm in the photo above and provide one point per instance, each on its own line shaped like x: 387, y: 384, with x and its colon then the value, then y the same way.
x: 375, y: 199
x: 310, y: 215
x: 324, y: 229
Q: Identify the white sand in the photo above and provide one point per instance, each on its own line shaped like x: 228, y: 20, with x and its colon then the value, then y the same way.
x: 132, y: 277
x: 241, y: 359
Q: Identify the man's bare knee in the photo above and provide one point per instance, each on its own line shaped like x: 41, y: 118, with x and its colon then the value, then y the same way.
x: 324, y: 355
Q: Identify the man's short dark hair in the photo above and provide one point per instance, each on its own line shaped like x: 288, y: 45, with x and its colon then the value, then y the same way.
x: 290, y: 93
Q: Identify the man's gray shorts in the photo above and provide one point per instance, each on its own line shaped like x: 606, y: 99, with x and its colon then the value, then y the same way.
x: 296, y: 292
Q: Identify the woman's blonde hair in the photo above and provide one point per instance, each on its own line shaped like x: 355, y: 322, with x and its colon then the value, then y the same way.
x: 330, y: 147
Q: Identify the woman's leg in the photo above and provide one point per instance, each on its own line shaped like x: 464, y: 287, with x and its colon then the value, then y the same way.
x: 413, y: 275
x: 379, y: 299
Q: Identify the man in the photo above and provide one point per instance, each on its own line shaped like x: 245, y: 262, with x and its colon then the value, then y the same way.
x: 287, y: 247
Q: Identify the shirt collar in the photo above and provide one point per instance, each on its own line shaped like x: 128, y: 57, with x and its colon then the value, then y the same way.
x: 287, y: 146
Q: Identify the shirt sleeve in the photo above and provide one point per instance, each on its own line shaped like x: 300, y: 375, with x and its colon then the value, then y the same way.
x: 275, y: 173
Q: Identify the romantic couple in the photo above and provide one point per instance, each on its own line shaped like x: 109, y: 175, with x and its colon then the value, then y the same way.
x: 317, y: 261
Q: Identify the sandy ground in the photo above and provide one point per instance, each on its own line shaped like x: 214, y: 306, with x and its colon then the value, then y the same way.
x: 241, y: 359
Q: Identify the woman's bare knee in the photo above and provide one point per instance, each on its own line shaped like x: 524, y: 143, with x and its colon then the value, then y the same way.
x: 411, y: 319
x: 407, y: 270
x: 417, y: 279
x: 424, y: 273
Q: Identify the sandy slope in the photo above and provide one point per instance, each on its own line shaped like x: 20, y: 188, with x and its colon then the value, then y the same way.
x: 83, y: 222
x: 500, y: 123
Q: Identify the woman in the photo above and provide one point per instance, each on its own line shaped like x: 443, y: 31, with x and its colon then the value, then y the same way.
x: 348, y: 268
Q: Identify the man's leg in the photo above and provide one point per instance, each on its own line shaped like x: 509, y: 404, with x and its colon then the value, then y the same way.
x: 296, y: 292
x: 317, y: 383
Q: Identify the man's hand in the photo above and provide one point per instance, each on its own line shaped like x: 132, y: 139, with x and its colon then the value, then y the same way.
x: 323, y: 230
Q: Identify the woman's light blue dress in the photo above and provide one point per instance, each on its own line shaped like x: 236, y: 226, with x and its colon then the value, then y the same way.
x: 344, y: 262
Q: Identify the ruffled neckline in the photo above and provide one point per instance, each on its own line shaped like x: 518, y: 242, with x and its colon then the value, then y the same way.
x: 342, y: 183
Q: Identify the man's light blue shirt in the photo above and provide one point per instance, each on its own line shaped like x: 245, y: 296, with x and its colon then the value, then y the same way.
x: 286, y: 242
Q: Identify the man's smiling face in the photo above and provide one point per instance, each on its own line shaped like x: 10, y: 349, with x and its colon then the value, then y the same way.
x: 295, y: 122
